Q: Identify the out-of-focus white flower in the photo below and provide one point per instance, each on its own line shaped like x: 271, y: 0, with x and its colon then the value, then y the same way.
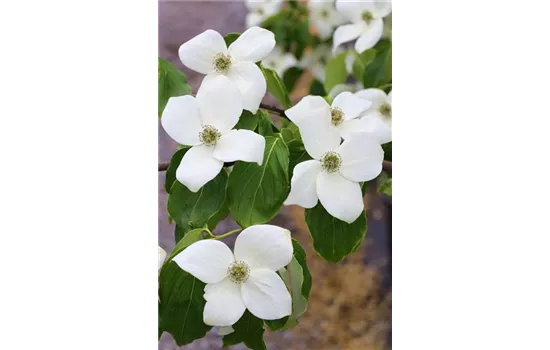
x: 378, y: 115
x: 323, y: 15
x: 162, y: 257
x: 245, y: 279
x: 206, y: 124
x: 279, y: 61
x: 208, y: 54
x: 367, y: 24
x: 316, y: 61
x: 260, y: 10
x: 338, y: 89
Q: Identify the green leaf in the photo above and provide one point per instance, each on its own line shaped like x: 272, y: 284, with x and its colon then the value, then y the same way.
x: 317, y: 89
x: 291, y: 76
x: 297, y: 151
x: 334, y: 239
x: 206, y: 207
x: 248, y: 121
x: 190, y: 238
x: 385, y: 187
x: 172, y: 83
x: 301, y: 286
x: 248, y: 329
x: 378, y: 72
x: 335, y: 71
x: 265, y: 124
x: 181, y: 304
x: 256, y: 193
x: 387, y: 151
x: 276, y: 87
x: 170, y: 177
x: 230, y: 38
x: 361, y: 61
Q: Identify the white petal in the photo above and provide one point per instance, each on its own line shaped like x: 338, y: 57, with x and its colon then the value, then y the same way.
x: 162, y: 256
x: 224, y: 304
x: 324, y: 28
x: 351, y: 105
x: 308, y: 106
x: 319, y: 136
x: 225, y: 330
x: 339, y: 196
x: 376, y: 96
x: 220, y: 102
x: 264, y: 246
x: 345, y: 33
x: 362, y: 157
x: 375, y: 127
x: 198, y: 167
x: 338, y: 89
x: 351, y: 9
x: 198, y: 53
x: 206, y: 260
x: 265, y: 295
x: 303, y: 191
x: 242, y: 145
x: 380, y: 8
x: 250, y: 81
x: 370, y: 36
x: 254, y: 19
x: 253, y: 45
x: 181, y: 120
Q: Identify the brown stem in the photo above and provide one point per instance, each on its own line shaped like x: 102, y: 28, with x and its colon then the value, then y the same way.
x: 274, y: 110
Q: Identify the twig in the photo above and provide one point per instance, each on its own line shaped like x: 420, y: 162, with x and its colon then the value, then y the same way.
x: 386, y: 166
x: 274, y: 110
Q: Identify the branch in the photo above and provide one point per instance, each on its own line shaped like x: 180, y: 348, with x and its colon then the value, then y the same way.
x: 386, y: 166
x: 274, y: 110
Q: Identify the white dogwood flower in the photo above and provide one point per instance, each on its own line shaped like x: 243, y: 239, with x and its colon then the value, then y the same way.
x: 341, y: 118
x: 367, y: 23
x: 208, y: 54
x: 323, y: 15
x: 279, y: 61
x: 334, y: 174
x: 260, y: 10
x: 245, y: 279
x: 378, y: 116
x: 162, y: 257
x: 316, y: 61
x: 206, y: 124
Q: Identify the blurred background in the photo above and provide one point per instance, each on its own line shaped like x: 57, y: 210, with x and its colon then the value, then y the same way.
x: 350, y: 302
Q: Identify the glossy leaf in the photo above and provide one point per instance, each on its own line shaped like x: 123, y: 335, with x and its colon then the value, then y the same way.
x: 276, y: 87
x: 172, y: 82
x: 248, y: 121
x: 170, y: 177
x: 248, y: 329
x: 361, y: 61
x: 379, y: 71
x: 335, y: 71
x: 230, y: 38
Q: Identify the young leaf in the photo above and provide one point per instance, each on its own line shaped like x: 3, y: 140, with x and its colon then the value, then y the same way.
x: 172, y: 83
x: 334, y: 239
x: 335, y: 71
x: 276, y: 87
x: 291, y: 76
x: 170, y: 177
x: 181, y: 304
x: 378, y: 72
x: 248, y: 329
x: 206, y: 207
x: 230, y: 38
x: 248, y: 121
x: 256, y: 193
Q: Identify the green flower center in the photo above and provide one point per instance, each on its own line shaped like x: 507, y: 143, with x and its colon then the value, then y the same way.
x: 331, y: 161
x: 367, y: 17
x: 260, y: 12
x: 238, y: 272
x: 337, y: 116
x: 222, y: 62
x: 385, y: 109
x: 323, y: 14
x: 209, y: 135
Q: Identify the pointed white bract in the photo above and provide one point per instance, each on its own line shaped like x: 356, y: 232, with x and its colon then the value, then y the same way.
x: 334, y: 174
x: 378, y: 115
x: 208, y: 54
x: 260, y: 10
x: 162, y: 257
x: 279, y: 61
x: 245, y: 279
x: 205, y: 122
x: 324, y: 17
x: 367, y: 25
